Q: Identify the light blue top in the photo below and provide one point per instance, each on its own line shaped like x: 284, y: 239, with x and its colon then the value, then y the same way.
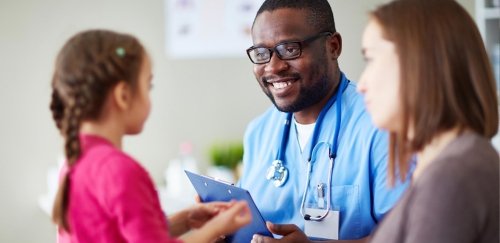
x: 359, y: 184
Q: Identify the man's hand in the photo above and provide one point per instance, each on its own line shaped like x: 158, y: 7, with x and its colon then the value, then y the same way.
x: 290, y: 232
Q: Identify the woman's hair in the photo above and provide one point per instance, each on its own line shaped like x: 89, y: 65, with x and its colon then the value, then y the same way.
x: 88, y: 66
x: 446, y: 77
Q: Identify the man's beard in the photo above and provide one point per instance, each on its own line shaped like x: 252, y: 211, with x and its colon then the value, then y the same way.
x: 308, y: 96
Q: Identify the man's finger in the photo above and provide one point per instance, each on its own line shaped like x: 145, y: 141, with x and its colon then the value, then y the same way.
x: 281, y: 229
x: 262, y: 239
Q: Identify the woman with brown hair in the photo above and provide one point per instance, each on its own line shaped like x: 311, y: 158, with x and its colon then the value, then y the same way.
x: 428, y: 82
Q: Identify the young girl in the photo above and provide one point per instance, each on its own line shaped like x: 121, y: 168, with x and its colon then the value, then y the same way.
x: 428, y: 81
x: 100, y: 93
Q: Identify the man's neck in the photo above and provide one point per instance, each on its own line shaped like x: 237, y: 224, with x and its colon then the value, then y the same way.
x: 311, y: 113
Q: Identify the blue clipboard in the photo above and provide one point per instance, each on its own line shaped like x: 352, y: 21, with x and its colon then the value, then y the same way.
x: 210, y: 189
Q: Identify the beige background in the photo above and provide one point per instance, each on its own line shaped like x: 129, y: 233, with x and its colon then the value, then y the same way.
x: 194, y: 100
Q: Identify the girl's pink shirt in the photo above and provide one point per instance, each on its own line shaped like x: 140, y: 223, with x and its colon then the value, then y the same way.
x: 111, y: 198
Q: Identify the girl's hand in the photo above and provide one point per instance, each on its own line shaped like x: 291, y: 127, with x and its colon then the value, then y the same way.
x: 225, y: 219
x: 200, y: 213
x: 231, y: 218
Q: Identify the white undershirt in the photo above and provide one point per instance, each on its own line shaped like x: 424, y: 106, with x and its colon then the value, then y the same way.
x: 304, y: 132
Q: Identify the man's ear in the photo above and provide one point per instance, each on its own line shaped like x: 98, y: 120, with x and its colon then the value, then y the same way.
x: 122, y: 95
x: 334, y: 45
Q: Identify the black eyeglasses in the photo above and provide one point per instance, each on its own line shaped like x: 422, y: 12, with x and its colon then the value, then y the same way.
x: 286, y: 50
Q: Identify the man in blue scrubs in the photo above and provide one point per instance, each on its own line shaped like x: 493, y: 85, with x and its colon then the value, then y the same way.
x: 295, y: 55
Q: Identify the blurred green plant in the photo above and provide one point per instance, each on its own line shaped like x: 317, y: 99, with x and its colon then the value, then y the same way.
x: 226, y: 154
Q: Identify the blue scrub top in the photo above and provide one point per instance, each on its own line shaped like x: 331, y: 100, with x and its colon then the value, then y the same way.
x: 359, y: 185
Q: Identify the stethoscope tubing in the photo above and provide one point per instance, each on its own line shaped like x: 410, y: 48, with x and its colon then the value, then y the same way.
x: 332, y: 154
x: 328, y: 192
x: 312, y: 155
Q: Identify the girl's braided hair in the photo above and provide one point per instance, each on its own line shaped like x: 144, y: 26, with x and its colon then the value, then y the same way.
x: 88, y: 66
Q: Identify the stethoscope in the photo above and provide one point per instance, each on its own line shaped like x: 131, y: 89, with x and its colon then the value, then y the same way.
x: 278, y: 173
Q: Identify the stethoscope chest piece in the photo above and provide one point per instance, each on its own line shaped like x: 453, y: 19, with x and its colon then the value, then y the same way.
x: 277, y: 173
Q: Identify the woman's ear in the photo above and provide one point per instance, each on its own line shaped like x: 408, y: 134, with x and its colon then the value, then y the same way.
x: 122, y: 95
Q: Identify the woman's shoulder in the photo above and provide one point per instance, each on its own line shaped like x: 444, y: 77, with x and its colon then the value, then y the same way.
x: 467, y: 157
x: 459, y: 189
x: 468, y: 167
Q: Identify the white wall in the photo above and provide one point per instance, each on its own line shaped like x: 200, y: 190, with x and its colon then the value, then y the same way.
x: 196, y: 100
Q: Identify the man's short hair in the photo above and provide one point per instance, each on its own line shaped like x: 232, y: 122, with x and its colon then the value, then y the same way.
x: 320, y: 12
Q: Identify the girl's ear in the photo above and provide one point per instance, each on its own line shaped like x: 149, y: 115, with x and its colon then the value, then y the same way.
x: 121, y: 94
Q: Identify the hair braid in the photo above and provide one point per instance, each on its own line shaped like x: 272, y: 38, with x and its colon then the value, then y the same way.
x: 70, y: 122
x: 57, y: 108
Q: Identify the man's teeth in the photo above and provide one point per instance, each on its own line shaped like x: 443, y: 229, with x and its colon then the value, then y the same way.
x: 280, y: 85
